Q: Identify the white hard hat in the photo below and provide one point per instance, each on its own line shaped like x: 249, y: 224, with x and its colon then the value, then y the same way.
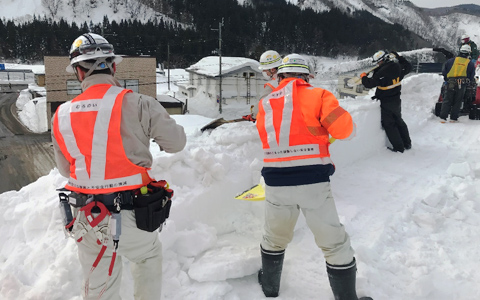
x: 91, y: 46
x: 465, y: 49
x: 465, y: 38
x: 294, y: 63
x: 380, y: 56
x: 270, y: 59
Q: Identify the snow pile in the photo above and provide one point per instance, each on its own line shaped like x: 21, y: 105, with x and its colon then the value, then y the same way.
x: 412, y: 217
x: 37, y: 121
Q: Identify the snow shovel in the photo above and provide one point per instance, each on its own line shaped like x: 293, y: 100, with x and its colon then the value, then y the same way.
x: 257, y: 192
x: 354, y: 81
x: 218, y: 122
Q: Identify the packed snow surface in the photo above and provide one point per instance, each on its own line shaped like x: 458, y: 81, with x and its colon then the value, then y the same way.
x: 413, y: 218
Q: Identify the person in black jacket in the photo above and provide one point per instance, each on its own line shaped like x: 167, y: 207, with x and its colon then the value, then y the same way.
x: 387, y: 78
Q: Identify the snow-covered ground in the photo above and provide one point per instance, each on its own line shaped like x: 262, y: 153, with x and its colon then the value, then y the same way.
x: 413, y: 218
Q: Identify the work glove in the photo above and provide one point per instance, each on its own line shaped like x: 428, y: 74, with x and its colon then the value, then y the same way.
x: 395, y: 54
x: 363, y: 75
x: 249, y: 118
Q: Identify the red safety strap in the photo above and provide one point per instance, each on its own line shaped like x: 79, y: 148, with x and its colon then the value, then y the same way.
x: 87, y: 209
x: 93, y: 222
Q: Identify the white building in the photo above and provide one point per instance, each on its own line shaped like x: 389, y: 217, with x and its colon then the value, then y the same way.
x: 241, y: 79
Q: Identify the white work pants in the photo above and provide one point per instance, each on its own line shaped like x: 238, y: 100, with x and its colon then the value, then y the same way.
x: 282, y: 207
x: 143, y: 249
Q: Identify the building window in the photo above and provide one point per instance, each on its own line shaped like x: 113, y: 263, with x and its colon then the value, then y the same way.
x: 73, y: 87
x: 131, y: 84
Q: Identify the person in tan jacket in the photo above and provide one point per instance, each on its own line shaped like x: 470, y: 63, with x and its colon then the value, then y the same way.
x: 101, y: 141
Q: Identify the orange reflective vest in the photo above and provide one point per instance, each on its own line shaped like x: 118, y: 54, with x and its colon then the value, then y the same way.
x: 87, y: 130
x: 294, y: 123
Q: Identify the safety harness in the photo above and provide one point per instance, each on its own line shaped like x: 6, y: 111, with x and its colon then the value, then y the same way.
x: 151, y: 204
x: 93, y: 224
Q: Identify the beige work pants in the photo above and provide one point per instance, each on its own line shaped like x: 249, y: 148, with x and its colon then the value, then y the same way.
x: 143, y: 249
x: 282, y: 208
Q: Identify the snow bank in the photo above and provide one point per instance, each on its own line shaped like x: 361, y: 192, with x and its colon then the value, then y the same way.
x: 412, y: 217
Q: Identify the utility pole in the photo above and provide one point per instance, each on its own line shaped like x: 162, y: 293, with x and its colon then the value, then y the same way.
x: 220, y: 24
x: 168, y: 60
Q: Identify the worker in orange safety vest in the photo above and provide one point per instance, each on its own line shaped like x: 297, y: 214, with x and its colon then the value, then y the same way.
x: 269, y: 62
x: 294, y: 123
x: 101, y: 141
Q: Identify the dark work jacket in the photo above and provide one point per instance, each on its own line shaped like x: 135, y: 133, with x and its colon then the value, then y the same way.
x: 386, y: 75
x: 473, y: 47
x: 449, y: 64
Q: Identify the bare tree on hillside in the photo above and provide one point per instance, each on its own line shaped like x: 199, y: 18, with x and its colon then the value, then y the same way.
x: 85, y: 8
x: 133, y: 8
x: 114, y: 5
x: 52, y: 6
x: 74, y: 5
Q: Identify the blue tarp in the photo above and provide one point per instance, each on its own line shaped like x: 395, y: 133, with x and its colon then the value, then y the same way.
x: 2, y: 66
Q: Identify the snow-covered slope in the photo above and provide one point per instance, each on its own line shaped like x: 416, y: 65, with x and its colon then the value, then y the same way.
x: 83, y: 11
x: 444, y: 29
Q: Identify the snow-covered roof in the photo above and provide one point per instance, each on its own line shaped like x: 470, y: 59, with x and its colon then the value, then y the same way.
x: 186, y: 86
x: 208, y: 66
x: 36, y: 69
x: 167, y: 98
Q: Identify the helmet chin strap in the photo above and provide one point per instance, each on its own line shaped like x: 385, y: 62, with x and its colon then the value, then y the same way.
x: 93, y: 67
x: 76, y: 72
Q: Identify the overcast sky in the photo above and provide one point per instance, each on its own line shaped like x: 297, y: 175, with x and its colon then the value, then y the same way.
x: 442, y: 3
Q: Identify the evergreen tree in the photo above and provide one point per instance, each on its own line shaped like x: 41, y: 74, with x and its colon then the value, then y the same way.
x: 247, y: 30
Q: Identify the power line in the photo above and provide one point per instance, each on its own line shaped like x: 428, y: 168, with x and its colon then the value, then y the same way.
x: 153, y: 83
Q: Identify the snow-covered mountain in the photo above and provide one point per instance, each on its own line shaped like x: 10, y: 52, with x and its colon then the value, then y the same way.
x: 78, y: 11
x: 442, y: 26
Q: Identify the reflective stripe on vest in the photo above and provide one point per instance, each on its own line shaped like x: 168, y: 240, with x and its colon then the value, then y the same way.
x: 276, y: 152
x: 459, y: 68
x: 396, y: 82
x: 91, y: 177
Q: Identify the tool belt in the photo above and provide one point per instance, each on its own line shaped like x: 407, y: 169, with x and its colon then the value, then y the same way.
x: 123, y: 200
x: 152, y: 206
x: 457, y: 81
x: 151, y: 203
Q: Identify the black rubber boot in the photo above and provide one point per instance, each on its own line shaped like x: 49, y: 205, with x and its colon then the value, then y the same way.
x: 342, y: 281
x: 271, y: 272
